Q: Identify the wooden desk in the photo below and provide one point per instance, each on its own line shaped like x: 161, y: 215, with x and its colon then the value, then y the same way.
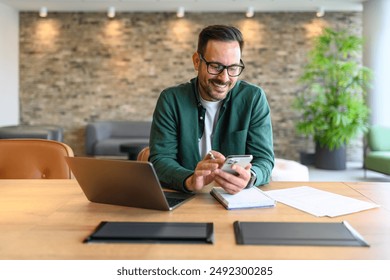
x: 49, y: 219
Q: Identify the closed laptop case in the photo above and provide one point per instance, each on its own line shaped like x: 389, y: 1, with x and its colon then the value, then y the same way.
x: 297, y: 233
x: 152, y: 232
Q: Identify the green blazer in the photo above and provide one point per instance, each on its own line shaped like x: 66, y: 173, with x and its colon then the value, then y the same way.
x: 243, y: 127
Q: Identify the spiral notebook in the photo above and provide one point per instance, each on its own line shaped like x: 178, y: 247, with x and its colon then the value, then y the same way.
x: 247, y: 198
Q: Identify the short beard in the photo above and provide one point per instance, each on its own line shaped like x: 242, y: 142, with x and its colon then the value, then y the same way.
x: 210, y: 89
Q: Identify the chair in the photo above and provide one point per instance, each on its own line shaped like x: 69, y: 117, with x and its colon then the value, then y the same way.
x: 376, y: 156
x: 34, y: 159
x: 143, y: 155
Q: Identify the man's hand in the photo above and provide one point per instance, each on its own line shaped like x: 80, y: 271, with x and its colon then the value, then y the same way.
x: 204, y: 171
x: 233, y: 183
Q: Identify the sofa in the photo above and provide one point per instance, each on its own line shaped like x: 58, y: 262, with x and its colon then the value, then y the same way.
x: 50, y: 132
x: 104, y: 138
x: 377, y: 150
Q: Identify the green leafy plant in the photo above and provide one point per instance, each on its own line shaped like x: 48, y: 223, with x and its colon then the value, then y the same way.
x: 332, y: 103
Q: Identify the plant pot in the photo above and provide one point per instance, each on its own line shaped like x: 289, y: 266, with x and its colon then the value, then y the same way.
x: 306, y: 158
x: 330, y: 159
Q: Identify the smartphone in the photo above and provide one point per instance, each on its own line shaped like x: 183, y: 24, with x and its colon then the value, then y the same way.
x: 242, y: 160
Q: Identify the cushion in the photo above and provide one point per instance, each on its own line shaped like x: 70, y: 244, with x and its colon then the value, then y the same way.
x: 379, y: 138
x: 130, y: 129
x: 289, y: 170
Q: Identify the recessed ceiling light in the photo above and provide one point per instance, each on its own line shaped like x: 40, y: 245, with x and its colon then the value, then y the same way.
x: 250, y: 12
x: 43, y: 12
x: 111, y: 12
x: 180, y: 12
x: 320, y: 12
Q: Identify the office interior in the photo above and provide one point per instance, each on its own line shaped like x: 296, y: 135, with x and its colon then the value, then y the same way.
x: 73, y: 67
x: 78, y: 66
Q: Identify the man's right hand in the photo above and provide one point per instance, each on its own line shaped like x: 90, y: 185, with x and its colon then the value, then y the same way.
x: 203, y: 173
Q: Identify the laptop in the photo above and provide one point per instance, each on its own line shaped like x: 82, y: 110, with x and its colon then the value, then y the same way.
x: 123, y: 182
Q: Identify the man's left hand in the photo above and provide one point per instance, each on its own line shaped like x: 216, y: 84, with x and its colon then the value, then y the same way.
x: 233, y: 183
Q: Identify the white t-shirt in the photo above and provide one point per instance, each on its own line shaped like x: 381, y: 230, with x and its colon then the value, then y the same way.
x: 211, y: 117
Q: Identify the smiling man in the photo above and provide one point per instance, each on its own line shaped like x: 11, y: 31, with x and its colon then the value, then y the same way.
x: 197, y: 124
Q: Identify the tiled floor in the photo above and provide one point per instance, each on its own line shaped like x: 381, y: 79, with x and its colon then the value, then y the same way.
x: 353, y: 173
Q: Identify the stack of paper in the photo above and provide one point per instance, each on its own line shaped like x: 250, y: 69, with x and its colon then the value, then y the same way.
x: 319, y: 203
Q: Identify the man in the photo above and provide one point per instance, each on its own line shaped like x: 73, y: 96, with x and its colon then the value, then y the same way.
x: 197, y: 124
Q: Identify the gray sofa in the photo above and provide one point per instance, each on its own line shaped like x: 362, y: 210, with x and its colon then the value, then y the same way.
x: 103, y: 138
x: 50, y: 132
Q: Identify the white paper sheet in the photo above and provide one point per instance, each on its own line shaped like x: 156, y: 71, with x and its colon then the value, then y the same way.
x: 319, y: 203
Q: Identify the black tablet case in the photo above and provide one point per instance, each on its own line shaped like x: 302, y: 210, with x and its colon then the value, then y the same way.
x: 297, y: 233
x: 152, y: 232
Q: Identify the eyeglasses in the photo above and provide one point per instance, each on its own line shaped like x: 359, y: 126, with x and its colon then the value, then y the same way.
x: 216, y: 68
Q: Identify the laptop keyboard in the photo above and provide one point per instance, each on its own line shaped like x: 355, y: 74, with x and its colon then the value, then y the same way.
x: 175, y: 198
x: 172, y: 201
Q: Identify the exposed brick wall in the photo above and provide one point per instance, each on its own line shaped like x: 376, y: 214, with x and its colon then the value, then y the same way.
x: 80, y: 67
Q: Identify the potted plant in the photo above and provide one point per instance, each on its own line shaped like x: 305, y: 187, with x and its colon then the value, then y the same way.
x: 332, y: 102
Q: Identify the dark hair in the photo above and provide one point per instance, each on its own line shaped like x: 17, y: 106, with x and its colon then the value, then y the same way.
x: 219, y: 33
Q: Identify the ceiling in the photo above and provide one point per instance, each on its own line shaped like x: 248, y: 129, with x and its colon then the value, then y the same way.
x: 189, y: 5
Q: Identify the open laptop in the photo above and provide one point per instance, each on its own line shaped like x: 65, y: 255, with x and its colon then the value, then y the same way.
x: 123, y: 182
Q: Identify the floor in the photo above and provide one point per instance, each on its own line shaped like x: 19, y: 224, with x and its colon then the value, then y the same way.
x: 353, y: 173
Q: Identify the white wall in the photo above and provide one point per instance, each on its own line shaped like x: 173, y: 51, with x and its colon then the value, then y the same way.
x: 376, y: 31
x: 9, y: 65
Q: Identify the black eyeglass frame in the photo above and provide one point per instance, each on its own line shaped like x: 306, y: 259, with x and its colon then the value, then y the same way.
x: 222, y: 67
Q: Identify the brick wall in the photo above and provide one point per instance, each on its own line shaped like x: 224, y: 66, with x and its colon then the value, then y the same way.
x: 80, y: 67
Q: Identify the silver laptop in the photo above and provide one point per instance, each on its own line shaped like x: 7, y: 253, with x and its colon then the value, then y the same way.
x: 123, y: 182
